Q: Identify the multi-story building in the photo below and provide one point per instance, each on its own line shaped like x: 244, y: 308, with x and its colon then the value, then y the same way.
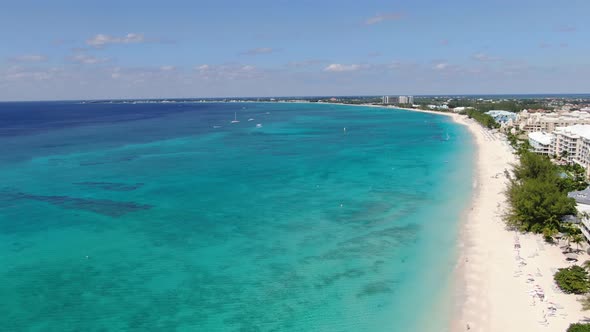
x: 583, y: 206
x: 570, y: 143
x: 542, y: 143
x: 573, y: 144
x: 548, y: 122
x: 406, y: 99
x: 386, y: 100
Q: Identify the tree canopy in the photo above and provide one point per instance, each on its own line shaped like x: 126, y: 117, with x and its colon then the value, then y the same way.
x: 537, y: 195
x: 573, y: 279
x: 579, y: 327
x: 485, y: 119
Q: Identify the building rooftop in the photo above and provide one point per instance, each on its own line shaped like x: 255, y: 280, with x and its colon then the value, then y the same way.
x: 541, y: 137
x: 500, y: 112
x: 581, y: 197
x: 580, y: 130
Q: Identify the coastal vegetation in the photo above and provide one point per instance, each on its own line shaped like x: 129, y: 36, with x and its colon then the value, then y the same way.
x: 515, y: 105
x: 484, y: 119
x: 573, y: 280
x: 574, y: 176
x: 579, y: 327
x: 538, y: 196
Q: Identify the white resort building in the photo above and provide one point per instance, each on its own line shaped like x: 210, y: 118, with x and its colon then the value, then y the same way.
x: 574, y: 143
x: 542, y: 143
x: 583, y: 206
x: 548, y: 122
x: 571, y: 143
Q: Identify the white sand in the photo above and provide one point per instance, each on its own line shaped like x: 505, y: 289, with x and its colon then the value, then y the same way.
x: 495, y: 296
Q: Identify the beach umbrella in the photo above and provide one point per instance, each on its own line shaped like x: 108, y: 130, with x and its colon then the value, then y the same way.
x: 571, y: 256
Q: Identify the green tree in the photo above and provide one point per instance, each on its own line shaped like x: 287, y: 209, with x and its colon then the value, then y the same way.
x: 573, y: 279
x: 484, y: 119
x: 534, y: 166
x: 537, y: 204
x: 536, y: 195
x: 577, y: 240
x: 578, y: 327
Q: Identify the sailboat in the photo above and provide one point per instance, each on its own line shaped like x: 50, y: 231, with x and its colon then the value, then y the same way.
x: 235, y: 120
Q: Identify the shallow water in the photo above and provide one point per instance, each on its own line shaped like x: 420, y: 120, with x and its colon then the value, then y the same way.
x: 168, y: 217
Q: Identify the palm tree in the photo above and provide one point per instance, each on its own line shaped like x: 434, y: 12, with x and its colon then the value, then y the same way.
x: 578, y: 239
x: 569, y: 236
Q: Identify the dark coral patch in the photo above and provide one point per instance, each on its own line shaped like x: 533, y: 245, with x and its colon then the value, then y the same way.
x: 101, y: 206
x: 113, y: 186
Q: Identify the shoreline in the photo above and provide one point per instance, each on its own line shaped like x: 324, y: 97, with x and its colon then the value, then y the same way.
x: 491, y: 290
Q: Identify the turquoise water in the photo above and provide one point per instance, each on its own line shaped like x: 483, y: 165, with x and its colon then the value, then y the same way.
x: 169, y: 218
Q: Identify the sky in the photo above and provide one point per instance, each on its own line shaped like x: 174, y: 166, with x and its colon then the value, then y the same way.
x: 58, y: 50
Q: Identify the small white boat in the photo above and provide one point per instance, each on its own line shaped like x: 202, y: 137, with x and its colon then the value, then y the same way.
x: 251, y: 119
x: 235, y: 120
x: 259, y: 125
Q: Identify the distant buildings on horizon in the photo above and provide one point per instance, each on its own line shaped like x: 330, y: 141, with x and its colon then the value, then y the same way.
x: 400, y: 100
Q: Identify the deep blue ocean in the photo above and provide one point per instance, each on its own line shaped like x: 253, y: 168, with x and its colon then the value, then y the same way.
x: 168, y: 217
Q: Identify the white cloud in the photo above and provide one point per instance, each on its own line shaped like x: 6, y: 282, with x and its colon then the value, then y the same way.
x: 395, y: 65
x: 305, y: 63
x: 260, y: 50
x: 484, y: 57
x: 441, y: 66
x: 566, y: 28
x: 167, y: 68
x: 102, y: 40
x: 16, y: 73
x: 88, y: 59
x: 227, y: 71
x: 29, y: 58
x: 383, y: 17
x: 337, y: 67
x: 116, y: 73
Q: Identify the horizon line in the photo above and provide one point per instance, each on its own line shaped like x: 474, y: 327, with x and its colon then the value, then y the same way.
x: 302, y: 96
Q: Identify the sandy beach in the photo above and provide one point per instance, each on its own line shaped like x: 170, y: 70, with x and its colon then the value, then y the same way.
x: 495, y: 281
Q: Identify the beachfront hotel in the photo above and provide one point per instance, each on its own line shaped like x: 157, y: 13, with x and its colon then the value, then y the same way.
x: 541, y: 142
x: 571, y: 143
x: 548, y: 122
x: 582, y: 198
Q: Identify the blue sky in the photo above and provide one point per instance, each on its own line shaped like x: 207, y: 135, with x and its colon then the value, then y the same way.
x: 151, y: 49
